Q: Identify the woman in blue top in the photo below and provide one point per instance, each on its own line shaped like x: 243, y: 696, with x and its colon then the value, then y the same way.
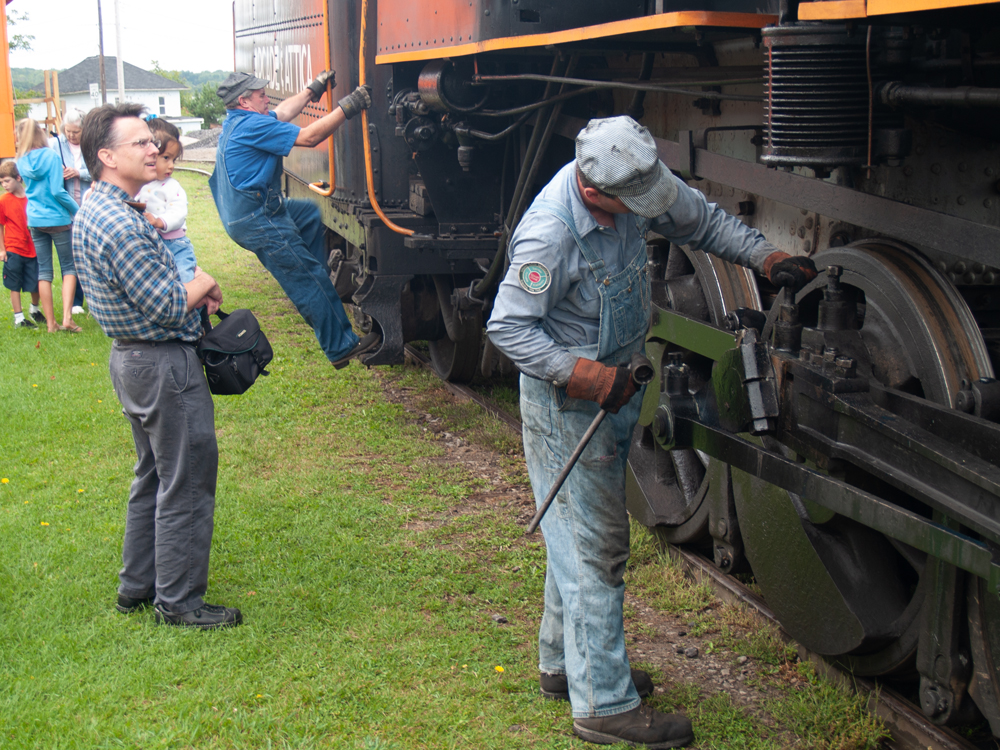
x: 50, y: 219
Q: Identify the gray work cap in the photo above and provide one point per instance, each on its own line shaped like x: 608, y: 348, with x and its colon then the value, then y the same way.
x: 236, y: 85
x: 618, y: 155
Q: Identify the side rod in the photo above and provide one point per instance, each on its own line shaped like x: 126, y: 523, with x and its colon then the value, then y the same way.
x: 898, y: 523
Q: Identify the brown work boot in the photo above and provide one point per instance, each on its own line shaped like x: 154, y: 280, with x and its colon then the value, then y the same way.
x: 640, y: 726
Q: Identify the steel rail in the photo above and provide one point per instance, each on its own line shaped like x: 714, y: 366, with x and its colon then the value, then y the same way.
x: 909, y: 728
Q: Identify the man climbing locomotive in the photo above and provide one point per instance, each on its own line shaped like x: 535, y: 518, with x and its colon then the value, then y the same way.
x: 286, y: 235
x: 572, y: 309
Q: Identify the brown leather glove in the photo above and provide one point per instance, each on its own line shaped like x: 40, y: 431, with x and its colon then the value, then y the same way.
x: 611, y: 387
x: 793, y: 271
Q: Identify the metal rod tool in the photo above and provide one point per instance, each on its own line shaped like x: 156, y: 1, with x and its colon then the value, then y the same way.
x: 642, y: 372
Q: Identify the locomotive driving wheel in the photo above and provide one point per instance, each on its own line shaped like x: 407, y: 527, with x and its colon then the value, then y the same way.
x: 839, y: 588
x: 456, y: 356
x: 457, y: 361
x: 667, y: 490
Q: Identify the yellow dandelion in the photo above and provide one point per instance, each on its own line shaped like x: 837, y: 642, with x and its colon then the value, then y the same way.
x: 80, y: 490
x: 34, y: 385
x: 92, y: 364
x: 44, y: 523
x: 259, y: 695
x: 464, y: 666
x: 498, y: 668
x: 100, y: 401
x: 5, y: 480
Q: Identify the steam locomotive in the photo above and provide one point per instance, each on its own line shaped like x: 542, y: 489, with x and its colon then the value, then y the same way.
x: 842, y: 442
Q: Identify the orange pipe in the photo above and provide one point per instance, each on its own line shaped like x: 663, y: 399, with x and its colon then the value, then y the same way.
x: 317, y: 187
x: 370, y: 178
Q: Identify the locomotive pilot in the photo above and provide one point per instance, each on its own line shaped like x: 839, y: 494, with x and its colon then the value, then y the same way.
x: 286, y: 235
x: 572, y: 309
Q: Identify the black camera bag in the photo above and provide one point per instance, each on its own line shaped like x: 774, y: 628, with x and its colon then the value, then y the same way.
x: 234, y: 352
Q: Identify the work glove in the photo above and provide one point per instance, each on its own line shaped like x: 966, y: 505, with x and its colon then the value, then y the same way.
x: 357, y: 100
x: 611, y: 387
x: 794, y: 271
x: 318, y: 86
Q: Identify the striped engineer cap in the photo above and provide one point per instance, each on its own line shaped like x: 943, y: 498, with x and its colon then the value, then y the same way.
x: 618, y: 155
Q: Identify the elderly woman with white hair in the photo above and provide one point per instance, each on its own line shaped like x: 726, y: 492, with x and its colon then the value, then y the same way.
x: 75, y: 174
x: 67, y: 145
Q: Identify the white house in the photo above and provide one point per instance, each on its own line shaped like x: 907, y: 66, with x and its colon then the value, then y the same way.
x: 161, y: 96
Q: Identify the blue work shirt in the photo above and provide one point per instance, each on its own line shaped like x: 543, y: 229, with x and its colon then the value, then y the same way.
x: 535, y: 329
x: 256, y: 146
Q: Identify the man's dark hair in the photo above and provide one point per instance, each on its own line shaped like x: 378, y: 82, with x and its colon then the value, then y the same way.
x: 99, y: 131
x: 584, y: 180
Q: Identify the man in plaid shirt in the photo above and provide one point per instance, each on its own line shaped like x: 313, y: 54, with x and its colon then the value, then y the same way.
x: 137, y: 297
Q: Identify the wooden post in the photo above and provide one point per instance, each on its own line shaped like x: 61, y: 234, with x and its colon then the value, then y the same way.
x: 47, y: 79
x: 55, y: 100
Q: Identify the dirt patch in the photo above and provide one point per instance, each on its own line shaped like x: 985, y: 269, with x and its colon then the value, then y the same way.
x: 665, y: 642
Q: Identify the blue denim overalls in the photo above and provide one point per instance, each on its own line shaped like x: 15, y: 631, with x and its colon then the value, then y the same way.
x: 288, y: 238
x: 587, y: 528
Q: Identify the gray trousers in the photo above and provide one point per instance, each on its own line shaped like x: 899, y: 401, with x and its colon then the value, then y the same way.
x: 168, y: 528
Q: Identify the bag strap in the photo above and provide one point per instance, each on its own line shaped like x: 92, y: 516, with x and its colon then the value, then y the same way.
x: 206, y: 324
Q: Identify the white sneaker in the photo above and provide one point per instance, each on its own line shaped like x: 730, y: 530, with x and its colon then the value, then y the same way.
x: 77, y: 310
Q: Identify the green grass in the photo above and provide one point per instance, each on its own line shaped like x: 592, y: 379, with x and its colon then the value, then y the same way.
x: 359, y: 633
x: 367, y: 584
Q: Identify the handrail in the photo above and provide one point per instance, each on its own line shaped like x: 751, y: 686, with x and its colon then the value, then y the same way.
x: 369, y: 176
x: 317, y: 187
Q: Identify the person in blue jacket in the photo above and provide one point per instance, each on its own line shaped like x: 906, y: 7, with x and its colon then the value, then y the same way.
x: 50, y: 219
x: 287, y: 236
x: 75, y: 174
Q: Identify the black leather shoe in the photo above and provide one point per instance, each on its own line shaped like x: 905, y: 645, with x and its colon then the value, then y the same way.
x: 127, y: 604
x: 640, y: 726
x: 555, y: 686
x: 366, y: 344
x: 206, y: 617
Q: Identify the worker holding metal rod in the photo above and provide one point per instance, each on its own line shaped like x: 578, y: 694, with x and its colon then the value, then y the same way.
x: 571, y: 312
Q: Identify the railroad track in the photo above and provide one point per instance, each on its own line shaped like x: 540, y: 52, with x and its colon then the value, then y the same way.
x: 909, y: 728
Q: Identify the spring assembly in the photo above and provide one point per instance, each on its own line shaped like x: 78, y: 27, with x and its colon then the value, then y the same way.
x: 816, y: 106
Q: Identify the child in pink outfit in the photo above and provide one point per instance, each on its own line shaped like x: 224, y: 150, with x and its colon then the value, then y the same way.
x: 166, y: 207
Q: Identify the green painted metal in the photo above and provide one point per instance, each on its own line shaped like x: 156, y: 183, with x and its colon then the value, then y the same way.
x: 694, y: 335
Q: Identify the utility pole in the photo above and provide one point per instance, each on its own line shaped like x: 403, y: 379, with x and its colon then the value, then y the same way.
x: 100, y: 38
x: 121, y: 64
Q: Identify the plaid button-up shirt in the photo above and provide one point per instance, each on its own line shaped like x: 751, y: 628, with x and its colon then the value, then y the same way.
x: 128, y: 274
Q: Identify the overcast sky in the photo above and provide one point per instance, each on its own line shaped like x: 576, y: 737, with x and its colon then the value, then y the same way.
x: 194, y: 35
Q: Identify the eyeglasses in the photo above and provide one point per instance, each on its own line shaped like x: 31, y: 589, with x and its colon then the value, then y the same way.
x: 142, y: 143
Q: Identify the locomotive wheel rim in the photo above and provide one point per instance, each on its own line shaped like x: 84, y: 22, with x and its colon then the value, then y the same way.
x: 458, y: 361
x: 920, y: 326
x: 927, y: 312
x: 678, y: 480
x: 984, y: 645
